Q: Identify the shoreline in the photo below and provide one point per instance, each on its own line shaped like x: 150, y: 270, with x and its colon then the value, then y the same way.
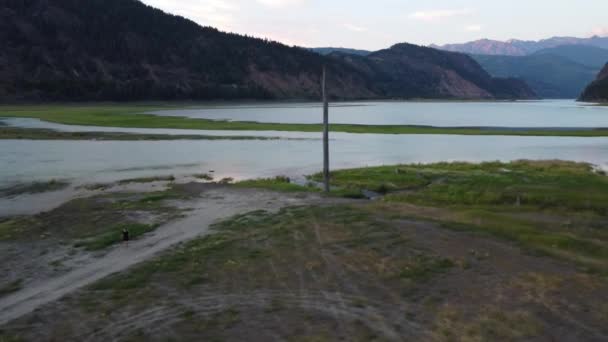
x: 19, y: 133
x: 148, y: 121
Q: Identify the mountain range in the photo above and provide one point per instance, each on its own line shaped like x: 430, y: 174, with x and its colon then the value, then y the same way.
x: 598, y: 90
x: 560, y: 72
x: 74, y: 50
x: 559, y: 67
x: 515, y: 47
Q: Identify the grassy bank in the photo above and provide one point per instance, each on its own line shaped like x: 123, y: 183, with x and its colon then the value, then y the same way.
x: 15, y: 133
x: 33, y: 188
x: 551, y: 207
x: 131, y: 116
x: 540, y: 184
x: 279, y: 183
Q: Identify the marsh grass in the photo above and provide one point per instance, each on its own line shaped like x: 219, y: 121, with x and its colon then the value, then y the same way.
x: 152, y: 179
x: 19, y: 133
x: 554, y: 208
x: 541, y: 184
x: 550, y: 207
x: 34, y: 188
x: 132, y: 116
x: 204, y: 176
x: 10, y: 338
x: 279, y: 183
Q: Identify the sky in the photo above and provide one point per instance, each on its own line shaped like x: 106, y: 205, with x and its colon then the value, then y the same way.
x: 377, y: 24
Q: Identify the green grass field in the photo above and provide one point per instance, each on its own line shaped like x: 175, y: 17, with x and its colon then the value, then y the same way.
x: 131, y: 116
x: 551, y: 207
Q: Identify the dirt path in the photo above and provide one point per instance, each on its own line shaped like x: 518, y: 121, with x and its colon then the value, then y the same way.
x: 217, y: 204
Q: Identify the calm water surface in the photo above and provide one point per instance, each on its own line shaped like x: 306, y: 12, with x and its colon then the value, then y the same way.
x: 93, y: 161
x: 549, y: 113
x: 100, y: 161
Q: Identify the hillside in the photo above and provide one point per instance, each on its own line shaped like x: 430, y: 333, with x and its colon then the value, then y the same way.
x: 549, y: 75
x: 125, y: 50
x: 516, y: 47
x: 73, y: 50
x: 410, y: 71
x: 598, y: 90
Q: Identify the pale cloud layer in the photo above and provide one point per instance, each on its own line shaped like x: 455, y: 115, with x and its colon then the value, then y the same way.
x: 280, y: 3
x: 379, y: 24
x: 355, y: 28
x: 435, y: 15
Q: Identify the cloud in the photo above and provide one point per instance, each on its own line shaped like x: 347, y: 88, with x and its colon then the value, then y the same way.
x: 473, y: 28
x: 435, y: 15
x: 355, y: 28
x: 600, y: 31
x: 280, y: 3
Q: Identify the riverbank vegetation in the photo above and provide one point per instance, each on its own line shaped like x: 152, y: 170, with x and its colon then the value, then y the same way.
x: 550, y: 207
x: 17, y: 133
x: 133, y: 116
x: 33, y: 188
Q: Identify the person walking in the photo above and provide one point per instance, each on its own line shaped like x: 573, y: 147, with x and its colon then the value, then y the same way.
x: 125, y: 236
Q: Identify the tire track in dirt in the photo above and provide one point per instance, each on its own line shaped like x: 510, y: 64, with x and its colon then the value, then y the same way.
x: 217, y: 204
x: 337, y: 305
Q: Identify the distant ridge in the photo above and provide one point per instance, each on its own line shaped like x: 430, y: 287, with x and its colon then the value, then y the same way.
x: 516, y: 47
x: 558, y: 67
x: 550, y: 75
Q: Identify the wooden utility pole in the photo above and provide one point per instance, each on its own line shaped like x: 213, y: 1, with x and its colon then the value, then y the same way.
x: 325, y: 135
